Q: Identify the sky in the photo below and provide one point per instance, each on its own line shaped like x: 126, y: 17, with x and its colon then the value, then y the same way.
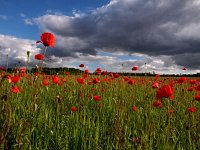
x: 160, y: 36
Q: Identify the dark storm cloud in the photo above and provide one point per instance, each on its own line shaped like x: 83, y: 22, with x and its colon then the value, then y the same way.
x: 151, y: 27
x: 188, y: 60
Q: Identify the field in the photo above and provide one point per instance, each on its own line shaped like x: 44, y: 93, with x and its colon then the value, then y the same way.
x: 55, y: 112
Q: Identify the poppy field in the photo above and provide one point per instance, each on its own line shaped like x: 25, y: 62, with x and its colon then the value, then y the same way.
x: 102, y: 111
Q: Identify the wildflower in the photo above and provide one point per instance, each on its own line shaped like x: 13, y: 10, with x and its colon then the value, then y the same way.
x: 39, y: 56
x: 170, y: 111
x: 111, y: 74
x: 67, y: 73
x: 182, y: 80
x: 15, y: 89
x: 80, y: 80
x: 126, y: 78
x: 197, y: 88
x: 103, y: 90
x: 157, y: 75
x: 98, y: 69
x: 116, y: 75
x: 45, y: 82
x: 184, y: 68
x: 191, y: 109
x: 164, y: 92
x: 36, y: 74
x: 194, y: 81
x: 73, y: 108
x: 81, y: 65
x: 98, y: 72
x: 190, y: 88
x: 86, y: 71
x: 197, y: 97
x: 47, y: 39
x: 131, y: 82
x: 157, y: 104
x: 55, y: 79
x: 155, y: 85
x: 15, y: 79
x: 96, y: 80
x: 2, y: 68
x: 22, y: 70
x: 134, y: 108
x: 104, y: 72
x: 97, y: 98
x: 135, y: 68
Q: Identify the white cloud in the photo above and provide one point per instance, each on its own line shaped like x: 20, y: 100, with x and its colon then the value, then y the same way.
x: 16, y: 49
x: 28, y: 21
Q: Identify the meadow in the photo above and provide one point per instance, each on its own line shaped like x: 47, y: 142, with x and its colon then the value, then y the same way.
x: 106, y: 111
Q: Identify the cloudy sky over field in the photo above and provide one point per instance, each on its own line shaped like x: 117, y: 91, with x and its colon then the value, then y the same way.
x: 163, y: 34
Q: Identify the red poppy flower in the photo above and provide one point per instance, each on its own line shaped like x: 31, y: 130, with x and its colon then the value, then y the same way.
x: 190, y: 88
x: 191, y: 109
x: 73, y: 109
x: 15, y: 89
x: 170, y: 111
x: 36, y: 74
x: 134, y: 108
x: 98, y: 72
x: 98, y: 69
x: 80, y: 80
x: 182, y: 80
x: 197, y: 97
x: 39, y: 56
x: 55, y: 79
x: 45, y: 82
x: 97, y: 98
x: 96, y: 80
x: 22, y: 70
x: 103, y: 90
x: 184, y: 68
x: 90, y: 83
x: 67, y: 73
x: 116, y: 75
x: 157, y: 104
x: 63, y: 80
x: 164, y: 92
x: 2, y: 68
x: 15, y: 79
x: 22, y: 74
x: 157, y: 75
x: 81, y: 65
x: 197, y: 88
x: 131, y: 82
x: 135, y: 68
x: 86, y: 71
x: 104, y: 72
x: 47, y: 39
x: 110, y: 74
x: 194, y: 81
x: 155, y: 85
x: 126, y: 78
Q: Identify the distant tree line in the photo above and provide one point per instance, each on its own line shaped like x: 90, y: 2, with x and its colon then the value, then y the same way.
x: 75, y: 71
